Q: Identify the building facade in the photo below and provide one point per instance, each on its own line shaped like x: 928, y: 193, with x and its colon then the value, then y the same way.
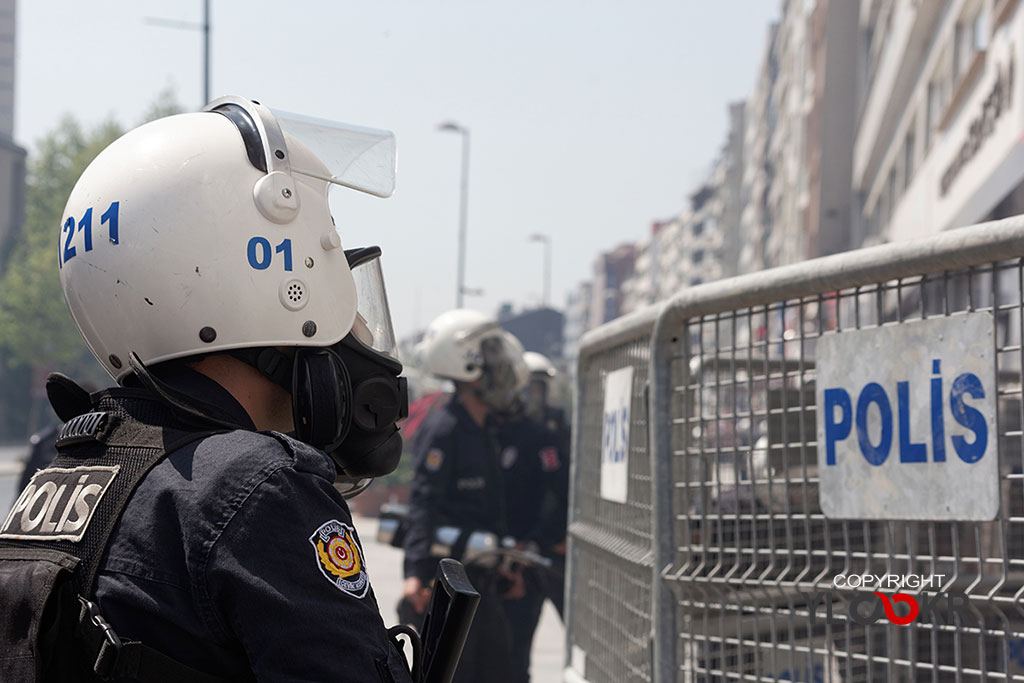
x: 799, y: 137
x: 939, y: 142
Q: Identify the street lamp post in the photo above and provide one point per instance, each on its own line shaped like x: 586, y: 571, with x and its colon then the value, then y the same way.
x: 193, y: 26
x: 546, y: 239
x: 460, y: 285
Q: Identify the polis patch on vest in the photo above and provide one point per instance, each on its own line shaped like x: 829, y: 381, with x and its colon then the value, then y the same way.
x: 339, y: 557
x: 58, y: 503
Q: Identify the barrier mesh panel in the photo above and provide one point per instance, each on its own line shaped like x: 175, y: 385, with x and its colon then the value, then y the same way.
x: 610, y: 593
x: 755, y: 557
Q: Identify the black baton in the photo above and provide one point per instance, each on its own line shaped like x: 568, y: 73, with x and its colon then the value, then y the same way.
x: 453, y: 603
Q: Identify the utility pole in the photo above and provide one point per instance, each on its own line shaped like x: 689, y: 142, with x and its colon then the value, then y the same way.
x: 193, y: 26
x: 460, y: 285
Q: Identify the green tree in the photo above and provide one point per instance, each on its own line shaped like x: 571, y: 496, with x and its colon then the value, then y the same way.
x: 35, y: 326
x: 36, y: 329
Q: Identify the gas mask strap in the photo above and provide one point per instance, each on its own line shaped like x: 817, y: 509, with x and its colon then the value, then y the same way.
x: 321, y: 397
x: 270, y: 363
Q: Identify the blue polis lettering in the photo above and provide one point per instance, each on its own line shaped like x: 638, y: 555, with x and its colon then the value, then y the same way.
x: 838, y: 400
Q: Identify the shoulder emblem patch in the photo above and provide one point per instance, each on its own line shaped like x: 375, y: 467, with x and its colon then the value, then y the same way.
x: 549, y: 459
x: 509, y: 456
x: 435, y: 458
x: 340, y: 558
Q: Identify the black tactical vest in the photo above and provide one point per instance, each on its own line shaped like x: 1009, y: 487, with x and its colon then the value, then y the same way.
x: 52, y: 543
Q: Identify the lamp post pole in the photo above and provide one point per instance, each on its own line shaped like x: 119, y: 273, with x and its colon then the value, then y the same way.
x: 206, y: 52
x: 193, y: 26
x: 546, y: 239
x: 460, y: 285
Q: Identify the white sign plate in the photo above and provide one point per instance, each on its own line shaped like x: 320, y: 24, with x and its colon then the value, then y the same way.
x: 618, y: 397
x: 907, y: 421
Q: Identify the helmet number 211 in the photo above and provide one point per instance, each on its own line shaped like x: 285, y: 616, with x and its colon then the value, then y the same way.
x: 109, y: 217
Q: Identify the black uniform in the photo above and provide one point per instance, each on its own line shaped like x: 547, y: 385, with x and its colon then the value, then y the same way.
x: 555, y: 421
x: 457, y: 482
x: 43, y: 449
x: 497, y: 478
x: 535, y: 475
x: 237, y: 556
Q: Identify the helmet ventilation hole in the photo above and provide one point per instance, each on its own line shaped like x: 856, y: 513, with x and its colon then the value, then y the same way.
x: 294, y: 294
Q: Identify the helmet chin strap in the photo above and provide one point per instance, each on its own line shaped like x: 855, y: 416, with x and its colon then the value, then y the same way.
x: 173, y: 398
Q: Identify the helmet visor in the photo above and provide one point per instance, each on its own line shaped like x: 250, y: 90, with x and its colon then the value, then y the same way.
x: 373, y: 315
x: 504, y: 371
x: 356, y: 157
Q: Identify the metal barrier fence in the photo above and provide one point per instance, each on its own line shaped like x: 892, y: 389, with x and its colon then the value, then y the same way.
x: 612, y: 553
x: 721, y: 562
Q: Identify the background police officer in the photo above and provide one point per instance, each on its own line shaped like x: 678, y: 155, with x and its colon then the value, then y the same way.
x: 535, y: 476
x: 458, y: 478
x: 200, y: 263
x: 537, y: 399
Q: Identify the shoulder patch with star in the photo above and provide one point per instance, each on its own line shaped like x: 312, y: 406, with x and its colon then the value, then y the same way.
x: 434, y: 460
x: 340, y: 558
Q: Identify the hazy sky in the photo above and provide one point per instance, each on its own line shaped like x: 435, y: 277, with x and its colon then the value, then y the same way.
x: 588, y: 119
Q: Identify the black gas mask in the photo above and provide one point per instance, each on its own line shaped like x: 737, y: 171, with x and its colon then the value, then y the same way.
x: 346, y: 398
x: 499, y: 382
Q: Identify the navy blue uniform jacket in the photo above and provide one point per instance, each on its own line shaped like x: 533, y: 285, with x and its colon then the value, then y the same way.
x: 492, y: 478
x: 236, y: 556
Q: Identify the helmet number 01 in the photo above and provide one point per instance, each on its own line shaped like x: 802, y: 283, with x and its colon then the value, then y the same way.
x: 260, y: 255
x: 66, y: 252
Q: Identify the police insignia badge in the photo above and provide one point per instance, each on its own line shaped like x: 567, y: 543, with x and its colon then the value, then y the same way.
x: 508, y: 457
x: 340, y: 558
x: 549, y: 459
x: 435, y: 457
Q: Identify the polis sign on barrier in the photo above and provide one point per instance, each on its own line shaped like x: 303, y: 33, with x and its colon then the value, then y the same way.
x: 618, y: 398
x: 906, y: 421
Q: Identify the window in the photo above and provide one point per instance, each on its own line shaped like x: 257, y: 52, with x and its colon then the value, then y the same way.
x: 959, y: 50
x: 969, y: 38
x: 698, y: 255
x: 932, y: 112
x: 908, y: 160
x: 979, y: 31
x: 890, y: 205
x: 698, y: 229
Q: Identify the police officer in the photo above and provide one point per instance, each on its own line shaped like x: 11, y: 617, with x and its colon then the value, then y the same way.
x: 457, y: 480
x: 537, y: 401
x: 537, y: 397
x: 535, y: 483
x: 201, y: 264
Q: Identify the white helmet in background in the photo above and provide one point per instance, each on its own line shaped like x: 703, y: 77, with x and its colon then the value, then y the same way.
x: 542, y: 376
x: 467, y: 346
x: 539, y: 364
x: 211, y: 232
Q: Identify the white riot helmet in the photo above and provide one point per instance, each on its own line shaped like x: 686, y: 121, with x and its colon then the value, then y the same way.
x: 542, y: 377
x: 211, y: 232
x: 467, y: 346
x: 539, y: 364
